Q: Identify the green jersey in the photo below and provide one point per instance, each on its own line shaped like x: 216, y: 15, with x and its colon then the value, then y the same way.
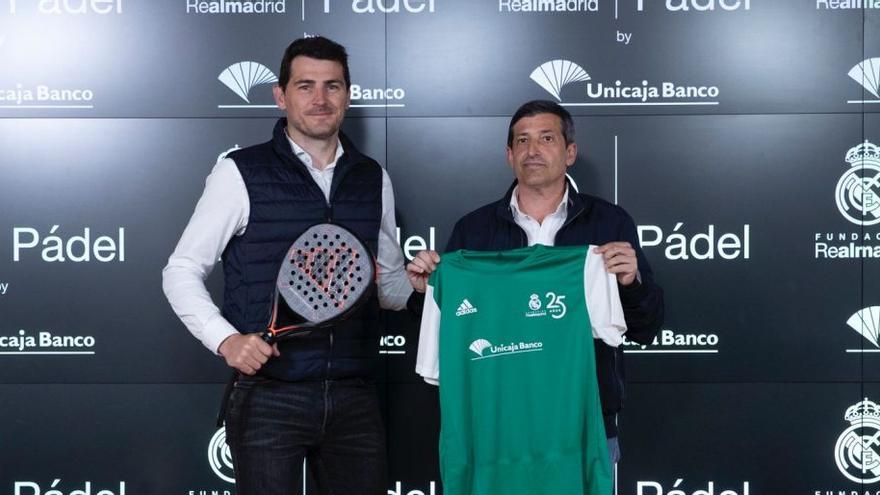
x: 507, y: 336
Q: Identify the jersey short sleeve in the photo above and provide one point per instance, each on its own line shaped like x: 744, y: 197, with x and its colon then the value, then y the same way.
x: 603, y: 301
x: 428, y: 358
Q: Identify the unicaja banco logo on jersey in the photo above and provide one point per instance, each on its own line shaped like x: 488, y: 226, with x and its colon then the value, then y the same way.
x: 556, y: 74
x: 857, y: 452
x: 485, y: 349
x: 220, y: 457
x: 554, y: 306
x: 480, y: 345
x: 465, y: 308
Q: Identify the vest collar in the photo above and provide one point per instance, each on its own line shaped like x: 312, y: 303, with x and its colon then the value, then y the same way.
x: 350, y: 155
x: 282, y: 146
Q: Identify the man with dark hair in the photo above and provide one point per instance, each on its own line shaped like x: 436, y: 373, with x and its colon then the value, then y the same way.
x: 536, y: 107
x: 313, y: 396
x: 542, y: 207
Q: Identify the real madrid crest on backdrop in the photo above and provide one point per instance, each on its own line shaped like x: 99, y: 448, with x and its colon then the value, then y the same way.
x: 857, y: 451
x: 858, y: 190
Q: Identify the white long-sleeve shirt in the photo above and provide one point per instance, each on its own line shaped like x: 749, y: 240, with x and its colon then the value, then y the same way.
x: 221, y: 213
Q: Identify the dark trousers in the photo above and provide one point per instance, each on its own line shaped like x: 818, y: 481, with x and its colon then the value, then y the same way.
x: 271, y: 426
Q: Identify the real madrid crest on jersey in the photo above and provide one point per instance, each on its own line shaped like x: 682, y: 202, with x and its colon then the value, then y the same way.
x: 555, y: 306
x: 858, y: 448
x: 858, y: 190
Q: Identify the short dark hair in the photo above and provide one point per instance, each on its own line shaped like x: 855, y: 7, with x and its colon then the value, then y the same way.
x: 317, y: 47
x: 536, y: 107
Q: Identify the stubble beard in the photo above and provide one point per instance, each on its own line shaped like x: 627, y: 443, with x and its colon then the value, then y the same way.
x: 319, y: 131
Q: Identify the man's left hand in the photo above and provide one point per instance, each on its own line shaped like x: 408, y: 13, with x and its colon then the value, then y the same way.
x: 620, y: 259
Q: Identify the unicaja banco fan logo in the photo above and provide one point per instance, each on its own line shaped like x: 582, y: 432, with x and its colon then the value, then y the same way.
x: 241, y: 77
x: 485, y: 349
x: 857, y: 452
x: 553, y: 75
x: 480, y: 345
x: 220, y: 457
x: 867, y: 73
x: 858, y: 190
x: 866, y: 322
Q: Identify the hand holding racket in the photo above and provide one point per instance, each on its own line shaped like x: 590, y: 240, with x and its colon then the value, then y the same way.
x: 325, y: 276
x: 247, y: 353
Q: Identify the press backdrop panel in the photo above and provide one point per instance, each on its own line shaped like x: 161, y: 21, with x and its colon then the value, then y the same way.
x: 722, y: 126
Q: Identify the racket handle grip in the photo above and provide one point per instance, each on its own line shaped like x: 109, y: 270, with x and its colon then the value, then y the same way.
x: 224, y: 403
x: 268, y: 337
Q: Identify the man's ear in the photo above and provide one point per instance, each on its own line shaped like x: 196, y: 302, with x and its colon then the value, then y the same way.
x: 278, y: 93
x: 571, y: 154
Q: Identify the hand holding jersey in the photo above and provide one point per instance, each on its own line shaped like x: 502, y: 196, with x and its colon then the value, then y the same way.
x: 421, y: 268
x: 620, y: 259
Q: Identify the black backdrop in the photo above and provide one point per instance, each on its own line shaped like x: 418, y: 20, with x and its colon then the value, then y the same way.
x: 733, y: 165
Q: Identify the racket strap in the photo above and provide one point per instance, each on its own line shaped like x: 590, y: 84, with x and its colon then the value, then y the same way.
x: 224, y: 402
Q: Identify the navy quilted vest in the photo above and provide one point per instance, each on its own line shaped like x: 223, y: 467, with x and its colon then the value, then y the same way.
x: 284, y: 202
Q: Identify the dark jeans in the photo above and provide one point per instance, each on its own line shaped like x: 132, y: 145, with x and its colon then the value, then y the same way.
x: 271, y: 426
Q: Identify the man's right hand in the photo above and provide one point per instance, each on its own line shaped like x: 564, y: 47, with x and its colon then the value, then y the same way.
x: 247, y: 352
x: 420, y: 268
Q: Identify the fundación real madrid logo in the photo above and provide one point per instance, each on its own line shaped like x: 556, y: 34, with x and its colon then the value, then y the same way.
x: 220, y: 457
x: 857, y: 452
x: 858, y: 190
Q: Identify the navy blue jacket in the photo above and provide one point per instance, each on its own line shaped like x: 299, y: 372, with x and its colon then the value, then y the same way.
x: 590, y: 220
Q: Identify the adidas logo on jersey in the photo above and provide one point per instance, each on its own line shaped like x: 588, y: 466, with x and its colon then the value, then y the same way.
x: 465, y: 308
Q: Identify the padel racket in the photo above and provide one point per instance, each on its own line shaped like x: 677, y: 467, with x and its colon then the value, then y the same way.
x: 326, y: 275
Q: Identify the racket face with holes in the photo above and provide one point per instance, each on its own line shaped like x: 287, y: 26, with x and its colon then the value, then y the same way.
x: 326, y: 272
